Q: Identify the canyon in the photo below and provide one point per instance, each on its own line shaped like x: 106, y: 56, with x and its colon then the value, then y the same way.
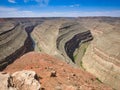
x: 88, y: 46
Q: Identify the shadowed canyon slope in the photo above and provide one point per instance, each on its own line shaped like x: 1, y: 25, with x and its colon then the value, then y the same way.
x: 90, y: 43
x: 15, y: 39
x: 12, y: 42
x: 60, y: 38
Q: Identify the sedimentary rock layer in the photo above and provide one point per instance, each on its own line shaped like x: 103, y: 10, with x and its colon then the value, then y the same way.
x: 14, y: 42
x: 102, y: 57
x: 45, y: 35
x: 71, y: 36
x: 75, y: 42
x: 60, y: 38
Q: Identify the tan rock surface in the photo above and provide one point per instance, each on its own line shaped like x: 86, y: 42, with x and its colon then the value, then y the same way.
x: 25, y: 80
x: 4, y: 78
x: 102, y: 57
x: 20, y: 80
x: 12, y: 39
x: 53, y: 36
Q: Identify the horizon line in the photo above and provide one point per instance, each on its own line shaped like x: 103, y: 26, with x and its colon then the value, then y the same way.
x: 61, y: 17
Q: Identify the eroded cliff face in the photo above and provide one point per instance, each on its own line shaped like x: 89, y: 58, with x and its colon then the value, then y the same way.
x: 14, y: 42
x: 75, y: 42
x: 102, y: 57
x: 60, y: 38
x: 71, y: 36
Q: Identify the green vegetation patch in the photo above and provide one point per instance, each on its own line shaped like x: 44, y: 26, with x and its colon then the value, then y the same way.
x: 81, y: 65
x: 79, y: 53
x: 98, y: 80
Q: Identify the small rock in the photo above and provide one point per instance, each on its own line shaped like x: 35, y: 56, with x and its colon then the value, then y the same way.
x: 68, y: 78
x: 73, y: 74
x: 53, y: 74
x: 46, y: 67
x: 61, y: 64
x: 58, y: 88
x: 25, y: 80
x: 71, y: 88
x: 63, y: 69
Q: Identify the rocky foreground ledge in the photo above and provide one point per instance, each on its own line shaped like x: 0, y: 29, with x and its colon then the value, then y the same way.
x: 54, y: 74
x: 21, y: 80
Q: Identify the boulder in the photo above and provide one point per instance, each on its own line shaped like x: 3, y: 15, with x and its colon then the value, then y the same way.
x: 21, y: 80
x: 4, y: 81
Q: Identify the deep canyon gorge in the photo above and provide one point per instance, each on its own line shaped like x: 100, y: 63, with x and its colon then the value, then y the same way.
x: 88, y: 46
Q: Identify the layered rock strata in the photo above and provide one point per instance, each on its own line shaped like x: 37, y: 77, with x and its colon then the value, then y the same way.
x: 14, y: 42
x: 45, y: 35
x: 102, y: 57
x: 60, y: 38
x: 71, y: 36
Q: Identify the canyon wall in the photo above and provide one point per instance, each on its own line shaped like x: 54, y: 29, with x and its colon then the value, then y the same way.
x: 102, y: 57
x: 14, y: 42
x: 60, y: 38
x: 71, y: 36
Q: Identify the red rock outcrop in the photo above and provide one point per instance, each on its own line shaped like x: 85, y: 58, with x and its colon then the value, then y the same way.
x: 63, y: 77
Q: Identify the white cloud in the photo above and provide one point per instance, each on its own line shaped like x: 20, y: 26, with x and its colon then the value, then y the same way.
x: 7, y: 9
x: 41, y: 2
x: 75, y: 5
x: 81, y: 13
x: 14, y: 12
x: 114, y: 13
x: 12, y: 1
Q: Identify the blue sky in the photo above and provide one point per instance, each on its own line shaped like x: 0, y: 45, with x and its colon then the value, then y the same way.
x: 59, y: 8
